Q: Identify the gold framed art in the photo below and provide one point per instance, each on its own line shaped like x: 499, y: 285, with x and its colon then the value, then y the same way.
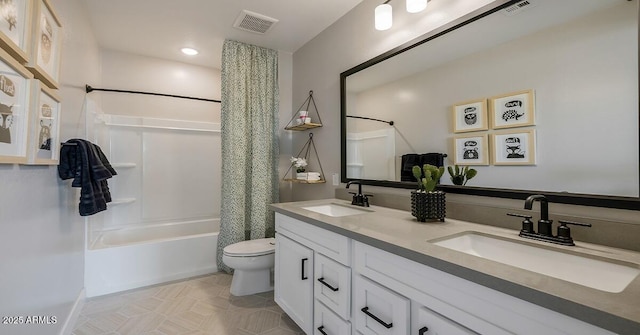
x: 470, y: 116
x: 44, y: 132
x: 511, y: 110
x: 46, y: 41
x: 15, y: 28
x: 15, y: 81
x: 471, y: 150
x: 516, y: 147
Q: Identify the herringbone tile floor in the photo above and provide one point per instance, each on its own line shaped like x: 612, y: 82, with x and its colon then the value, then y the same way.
x: 197, y: 306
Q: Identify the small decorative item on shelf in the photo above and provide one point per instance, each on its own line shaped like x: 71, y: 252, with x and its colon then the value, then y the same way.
x: 300, y: 164
x: 426, y: 202
x: 301, y: 120
x: 461, y: 175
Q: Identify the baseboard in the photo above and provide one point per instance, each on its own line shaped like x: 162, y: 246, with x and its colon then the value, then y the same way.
x: 96, y: 292
x: 74, y: 314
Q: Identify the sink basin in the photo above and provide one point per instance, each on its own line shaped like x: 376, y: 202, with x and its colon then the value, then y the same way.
x: 336, y: 210
x: 590, y: 271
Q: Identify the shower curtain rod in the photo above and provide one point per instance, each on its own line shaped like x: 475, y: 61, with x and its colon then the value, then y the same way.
x: 368, y: 118
x: 90, y: 89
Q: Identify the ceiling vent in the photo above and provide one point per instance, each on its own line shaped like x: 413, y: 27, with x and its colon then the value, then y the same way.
x: 519, y: 7
x: 254, y: 22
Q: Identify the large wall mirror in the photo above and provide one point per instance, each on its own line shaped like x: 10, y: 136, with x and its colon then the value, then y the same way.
x: 463, y: 91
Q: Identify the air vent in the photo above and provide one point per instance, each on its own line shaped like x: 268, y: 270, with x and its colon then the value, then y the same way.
x: 254, y: 22
x: 519, y: 7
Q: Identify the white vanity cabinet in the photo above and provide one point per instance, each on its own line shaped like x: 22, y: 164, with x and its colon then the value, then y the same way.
x: 332, y: 285
x: 321, y: 302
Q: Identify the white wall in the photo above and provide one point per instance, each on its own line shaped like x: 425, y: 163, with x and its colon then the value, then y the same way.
x: 126, y: 71
x: 345, y: 44
x: 41, y: 244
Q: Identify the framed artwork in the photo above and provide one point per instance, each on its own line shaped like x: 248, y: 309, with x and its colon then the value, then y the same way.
x: 46, y: 41
x: 15, y: 28
x: 512, y: 110
x: 471, y: 150
x: 14, y: 109
x: 514, y: 148
x: 44, y: 138
x: 470, y: 116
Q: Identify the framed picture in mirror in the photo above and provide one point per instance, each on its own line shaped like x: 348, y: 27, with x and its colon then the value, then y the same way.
x: 15, y: 28
x: 514, y: 148
x: 512, y: 110
x: 470, y: 116
x: 471, y: 150
x: 46, y: 41
x: 14, y: 113
x: 44, y: 137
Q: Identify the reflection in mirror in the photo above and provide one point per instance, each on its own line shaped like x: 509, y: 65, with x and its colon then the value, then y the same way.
x: 579, y: 58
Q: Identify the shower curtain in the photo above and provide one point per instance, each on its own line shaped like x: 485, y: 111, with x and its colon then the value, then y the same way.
x: 249, y: 143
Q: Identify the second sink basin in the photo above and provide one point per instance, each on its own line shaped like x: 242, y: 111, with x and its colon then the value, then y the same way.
x: 336, y: 210
x: 600, y: 274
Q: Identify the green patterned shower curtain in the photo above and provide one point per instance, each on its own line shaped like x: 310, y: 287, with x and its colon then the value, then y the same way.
x: 249, y: 143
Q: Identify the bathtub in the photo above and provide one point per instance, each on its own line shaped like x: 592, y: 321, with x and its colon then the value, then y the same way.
x: 127, y: 258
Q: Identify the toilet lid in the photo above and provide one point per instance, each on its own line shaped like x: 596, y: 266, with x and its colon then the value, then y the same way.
x: 257, y: 247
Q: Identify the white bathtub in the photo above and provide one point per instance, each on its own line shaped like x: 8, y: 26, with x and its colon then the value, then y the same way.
x: 127, y: 258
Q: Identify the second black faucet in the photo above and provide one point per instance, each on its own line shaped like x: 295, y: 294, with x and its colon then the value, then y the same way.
x: 359, y: 199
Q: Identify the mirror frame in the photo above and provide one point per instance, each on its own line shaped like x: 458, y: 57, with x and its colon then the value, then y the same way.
x: 618, y: 202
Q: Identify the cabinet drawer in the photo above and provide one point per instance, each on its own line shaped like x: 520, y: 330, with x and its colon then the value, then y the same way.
x: 378, y: 310
x: 427, y: 322
x: 330, y: 244
x: 325, y: 322
x: 332, y: 285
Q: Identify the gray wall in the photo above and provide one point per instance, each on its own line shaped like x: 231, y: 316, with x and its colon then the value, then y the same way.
x: 42, y: 239
x: 347, y: 43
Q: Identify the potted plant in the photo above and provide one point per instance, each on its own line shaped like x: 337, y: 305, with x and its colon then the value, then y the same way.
x: 461, y: 175
x: 426, y: 202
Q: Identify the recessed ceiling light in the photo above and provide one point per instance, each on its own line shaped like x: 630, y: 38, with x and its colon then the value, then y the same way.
x: 189, y: 51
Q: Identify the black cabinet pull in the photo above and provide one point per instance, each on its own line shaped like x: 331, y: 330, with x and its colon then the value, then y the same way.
x: 365, y: 310
x: 321, y: 330
x: 334, y: 289
x: 304, y: 260
x: 423, y: 330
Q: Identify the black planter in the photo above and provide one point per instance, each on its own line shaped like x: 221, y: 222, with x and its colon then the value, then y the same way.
x: 428, y: 206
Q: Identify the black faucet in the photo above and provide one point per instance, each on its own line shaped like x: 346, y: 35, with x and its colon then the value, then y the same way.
x: 544, y: 224
x: 359, y: 199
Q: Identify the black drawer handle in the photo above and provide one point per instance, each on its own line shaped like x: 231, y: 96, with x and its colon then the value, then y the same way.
x: 304, y: 277
x: 321, y: 330
x: 423, y: 330
x: 365, y: 310
x: 334, y: 289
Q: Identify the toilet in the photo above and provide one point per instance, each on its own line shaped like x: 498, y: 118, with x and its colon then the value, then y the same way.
x: 252, y: 262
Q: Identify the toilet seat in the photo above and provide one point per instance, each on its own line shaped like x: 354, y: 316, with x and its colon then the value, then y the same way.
x: 251, y: 248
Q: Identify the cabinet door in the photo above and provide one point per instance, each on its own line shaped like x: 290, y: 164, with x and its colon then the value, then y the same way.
x: 294, y: 281
x: 427, y: 322
x: 333, y: 285
x: 378, y: 310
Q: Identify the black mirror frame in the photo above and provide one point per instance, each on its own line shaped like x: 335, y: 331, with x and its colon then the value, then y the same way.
x: 628, y: 203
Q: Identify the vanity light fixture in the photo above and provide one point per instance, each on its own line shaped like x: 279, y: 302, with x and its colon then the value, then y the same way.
x: 189, y: 51
x: 384, y: 12
x: 384, y: 16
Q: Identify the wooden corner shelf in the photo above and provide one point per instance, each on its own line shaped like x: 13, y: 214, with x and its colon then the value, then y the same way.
x: 309, y: 102
x: 304, y: 126
x: 304, y: 181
